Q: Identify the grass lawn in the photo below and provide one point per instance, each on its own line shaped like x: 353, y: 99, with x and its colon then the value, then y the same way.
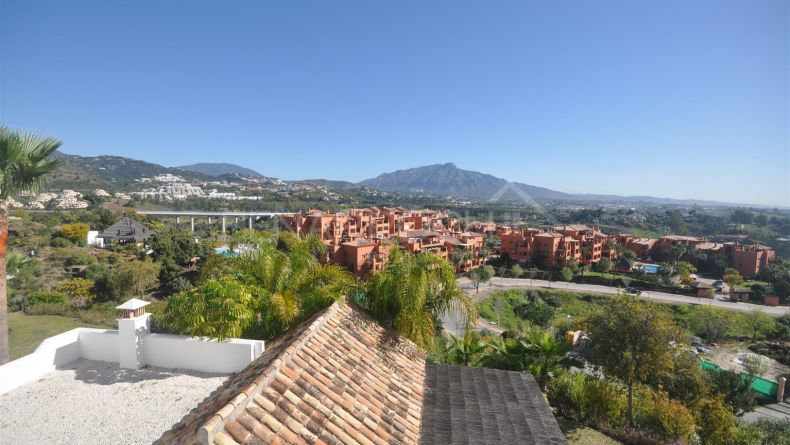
x: 583, y: 435
x: 27, y: 331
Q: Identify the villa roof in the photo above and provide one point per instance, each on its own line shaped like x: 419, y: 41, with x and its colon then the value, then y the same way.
x: 549, y: 235
x: 468, y: 233
x: 342, y: 378
x: 701, y: 285
x: 681, y: 238
x: 574, y: 227
x: 451, y: 240
x: 126, y: 229
x: 360, y: 243
x: 513, y: 406
x: 420, y: 233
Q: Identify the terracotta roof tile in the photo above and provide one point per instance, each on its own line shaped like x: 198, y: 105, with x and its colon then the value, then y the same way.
x: 338, y: 379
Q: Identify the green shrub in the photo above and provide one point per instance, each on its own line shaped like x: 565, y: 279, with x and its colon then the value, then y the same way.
x: 98, y: 315
x: 715, y: 422
x: 75, y: 232
x: 48, y: 309
x: 158, y: 320
x: 588, y: 400
x: 80, y: 258
x: 603, y: 402
x: 774, y: 432
x: 95, y: 271
x: 655, y: 412
x: 59, y: 241
x: 48, y: 297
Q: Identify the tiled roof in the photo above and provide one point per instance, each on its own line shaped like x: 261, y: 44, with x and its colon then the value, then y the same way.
x: 420, y: 233
x: 451, y: 240
x: 681, y: 238
x: 342, y: 378
x: 126, y: 228
x: 549, y: 235
x: 573, y: 227
x: 465, y: 405
x: 360, y: 243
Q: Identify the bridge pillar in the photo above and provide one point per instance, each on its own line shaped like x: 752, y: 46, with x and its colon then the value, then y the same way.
x: 250, y: 222
x: 209, y: 220
x: 223, y: 224
x: 178, y: 220
x: 192, y: 222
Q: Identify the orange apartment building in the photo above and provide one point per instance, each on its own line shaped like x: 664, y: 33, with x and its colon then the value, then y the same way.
x: 665, y: 242
x: 357, y: 240
x: 563, y: 244
x: 361, y: 256
x: 557, y: 247
x: 470, y: 247
x: 417, y: 241
x: 333, y: 228
x: 643, y: 247
x: 748, y: 260
x: 592, y: 241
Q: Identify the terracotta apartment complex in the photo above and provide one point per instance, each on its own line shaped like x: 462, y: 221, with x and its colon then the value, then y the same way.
x: 359, y: 238
x: 560, y: 245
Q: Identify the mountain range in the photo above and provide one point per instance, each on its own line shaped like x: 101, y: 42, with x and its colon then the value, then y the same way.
x: 219, y: 169
x: 449, y: 180
x: 113, y: 172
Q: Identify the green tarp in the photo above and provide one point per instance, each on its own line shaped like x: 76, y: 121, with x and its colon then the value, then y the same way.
x: 760, y: 384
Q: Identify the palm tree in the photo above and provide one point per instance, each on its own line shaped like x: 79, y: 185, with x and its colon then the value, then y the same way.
x: 466, y: 350
x: 536, y: 352
x: 413, y: 292
x: 546, y: 355
x: 503, y: 353
x: 289, y: 285
x: 23, y: 165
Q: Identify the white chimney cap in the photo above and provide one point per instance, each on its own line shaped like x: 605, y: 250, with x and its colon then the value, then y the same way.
x: 132, y: 305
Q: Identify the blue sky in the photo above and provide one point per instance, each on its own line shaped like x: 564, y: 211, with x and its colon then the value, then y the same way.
x: 682, y: 99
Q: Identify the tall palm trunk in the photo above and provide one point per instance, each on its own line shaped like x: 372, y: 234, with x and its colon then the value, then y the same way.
x: 3, y: 290
x: 630, y: 412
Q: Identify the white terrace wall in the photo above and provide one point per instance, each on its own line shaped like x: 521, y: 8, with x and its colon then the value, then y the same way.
x: 54, y: 351
x: 175, y: 351
x: 100, y: 345
x: 161, y: 350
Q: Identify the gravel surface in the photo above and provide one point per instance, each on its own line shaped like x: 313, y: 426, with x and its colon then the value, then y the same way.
x: 89, y: 402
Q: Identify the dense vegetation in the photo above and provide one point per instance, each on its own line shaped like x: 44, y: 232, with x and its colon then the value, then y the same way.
x: 641, y: 383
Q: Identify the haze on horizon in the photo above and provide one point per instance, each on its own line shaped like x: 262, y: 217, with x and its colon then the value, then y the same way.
x: 680, y: 99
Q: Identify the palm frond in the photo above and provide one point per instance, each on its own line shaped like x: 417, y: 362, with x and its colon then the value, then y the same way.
x: 24, y: 161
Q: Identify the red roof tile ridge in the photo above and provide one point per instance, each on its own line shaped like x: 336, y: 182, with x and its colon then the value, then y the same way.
x: 216, y: 423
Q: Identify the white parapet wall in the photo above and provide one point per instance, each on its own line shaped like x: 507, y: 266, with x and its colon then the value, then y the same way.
x: 160, y: 350
x: 175, y: 351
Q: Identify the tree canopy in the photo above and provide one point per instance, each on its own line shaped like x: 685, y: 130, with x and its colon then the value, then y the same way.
x: 631, y: 340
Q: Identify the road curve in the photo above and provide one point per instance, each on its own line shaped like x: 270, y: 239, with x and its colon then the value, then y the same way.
x: 500, y: 283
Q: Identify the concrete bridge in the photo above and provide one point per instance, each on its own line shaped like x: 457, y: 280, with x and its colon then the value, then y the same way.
x: 220, y: 216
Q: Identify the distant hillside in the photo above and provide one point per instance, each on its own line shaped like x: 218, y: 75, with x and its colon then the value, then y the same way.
x: 338, y: 185
x: 219, y: 169
x: 449, y: 180
x: 109, y: 172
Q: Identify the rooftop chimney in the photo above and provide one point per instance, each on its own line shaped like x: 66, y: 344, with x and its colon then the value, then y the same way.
x: 133, y: 324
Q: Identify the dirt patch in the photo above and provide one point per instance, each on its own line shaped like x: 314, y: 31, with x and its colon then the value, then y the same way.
x: 729, y: 355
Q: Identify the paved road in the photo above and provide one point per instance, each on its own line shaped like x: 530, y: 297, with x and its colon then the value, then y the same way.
x: 499, y: 283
